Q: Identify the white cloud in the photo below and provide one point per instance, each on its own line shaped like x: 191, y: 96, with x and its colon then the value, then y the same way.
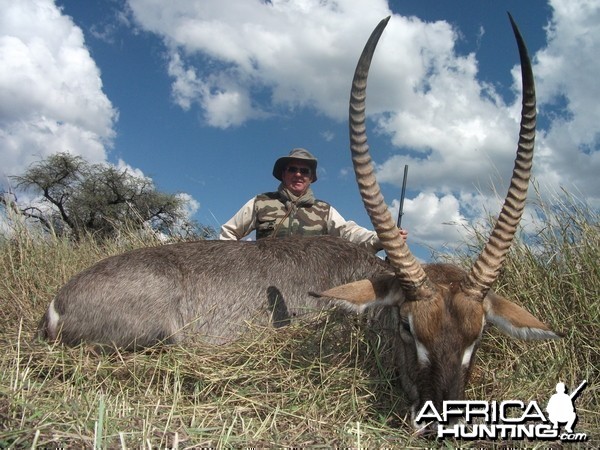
x: 432, y: 219
x: 123, y: 166
x: 51, y: 95
x: 224, y: 100
x: 328, y: 135
x: 190, y: 205
x: 426, y: 98
x: 567, y: 75
x: 297, y: 51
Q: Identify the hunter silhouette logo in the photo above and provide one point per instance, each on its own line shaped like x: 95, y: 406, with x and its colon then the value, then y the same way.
x: 508, y: 419
x: 561, y: 406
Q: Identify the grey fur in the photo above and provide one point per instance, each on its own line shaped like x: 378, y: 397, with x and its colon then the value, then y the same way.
x: 207, y: 288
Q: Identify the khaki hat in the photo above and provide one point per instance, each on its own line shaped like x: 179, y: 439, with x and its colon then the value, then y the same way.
x: 296, y: 154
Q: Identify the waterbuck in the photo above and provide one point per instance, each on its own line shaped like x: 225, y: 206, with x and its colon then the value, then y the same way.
x: 431, y: 316
x: 441, y: 310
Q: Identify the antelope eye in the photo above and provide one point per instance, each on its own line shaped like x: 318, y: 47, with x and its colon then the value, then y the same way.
x: 405, y: 324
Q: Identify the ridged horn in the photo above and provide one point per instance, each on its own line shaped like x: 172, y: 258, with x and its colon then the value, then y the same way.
x: 486, y: 268
x: 408, y: 270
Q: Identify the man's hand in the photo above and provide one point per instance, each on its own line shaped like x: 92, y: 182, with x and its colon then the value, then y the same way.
x: 403, y: 233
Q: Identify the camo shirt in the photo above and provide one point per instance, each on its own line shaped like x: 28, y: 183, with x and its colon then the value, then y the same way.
x: 271, y: 214
x: 276, y: 217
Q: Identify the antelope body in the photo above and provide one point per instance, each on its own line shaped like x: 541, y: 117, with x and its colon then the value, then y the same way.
x: 207, y: 288
x: 431, y: 317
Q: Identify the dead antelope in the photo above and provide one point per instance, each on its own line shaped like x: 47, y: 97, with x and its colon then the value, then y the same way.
x: 431, y: 316
x: 441, y: 310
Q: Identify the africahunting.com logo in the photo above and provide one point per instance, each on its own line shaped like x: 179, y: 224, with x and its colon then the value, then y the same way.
x: 509, y: 419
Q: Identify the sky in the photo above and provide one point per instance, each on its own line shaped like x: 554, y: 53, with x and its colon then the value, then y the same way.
x: 204, y: 96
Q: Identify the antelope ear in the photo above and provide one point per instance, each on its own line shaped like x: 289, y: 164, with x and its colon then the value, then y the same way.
x: 360, y: 294
x: 514, y: 320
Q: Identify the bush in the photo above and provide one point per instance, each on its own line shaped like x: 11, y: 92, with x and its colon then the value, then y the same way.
x: 78, y: 198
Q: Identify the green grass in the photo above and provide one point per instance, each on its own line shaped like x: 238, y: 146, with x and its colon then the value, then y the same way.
x: 304, y: 386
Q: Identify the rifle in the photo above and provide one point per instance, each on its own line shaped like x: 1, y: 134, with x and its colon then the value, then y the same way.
x: 402, y: 194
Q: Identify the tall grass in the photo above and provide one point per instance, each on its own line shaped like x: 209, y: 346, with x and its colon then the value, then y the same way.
x: 304, y: 386
x: 554, y: 272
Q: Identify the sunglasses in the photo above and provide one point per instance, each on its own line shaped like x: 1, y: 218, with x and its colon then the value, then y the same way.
x: 294, y: 169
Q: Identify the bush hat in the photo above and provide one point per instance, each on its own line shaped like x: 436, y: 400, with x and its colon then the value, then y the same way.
x: 296, y: 154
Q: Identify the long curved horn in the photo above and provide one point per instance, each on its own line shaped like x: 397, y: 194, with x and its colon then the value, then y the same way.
x: 410, y: 273
x: 485, y: 270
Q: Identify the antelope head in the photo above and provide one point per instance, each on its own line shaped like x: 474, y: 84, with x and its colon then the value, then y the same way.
x: 442, y: 309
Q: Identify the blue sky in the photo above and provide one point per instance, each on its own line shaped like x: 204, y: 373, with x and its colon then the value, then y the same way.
x: 204, y: 96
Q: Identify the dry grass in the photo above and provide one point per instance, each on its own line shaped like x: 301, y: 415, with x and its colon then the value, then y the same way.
x: 316, y: 385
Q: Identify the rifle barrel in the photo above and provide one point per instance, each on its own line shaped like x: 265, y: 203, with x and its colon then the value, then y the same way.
x: 402, y: 195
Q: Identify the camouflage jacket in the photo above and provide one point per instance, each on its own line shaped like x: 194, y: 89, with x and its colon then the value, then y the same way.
x: 269, y: 216
x: 277, y: 216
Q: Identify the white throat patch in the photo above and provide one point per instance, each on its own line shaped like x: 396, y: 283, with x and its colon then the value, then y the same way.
x: 422, y: 353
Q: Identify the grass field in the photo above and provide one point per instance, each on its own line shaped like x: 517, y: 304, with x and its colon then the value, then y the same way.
x: 317, y: 385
